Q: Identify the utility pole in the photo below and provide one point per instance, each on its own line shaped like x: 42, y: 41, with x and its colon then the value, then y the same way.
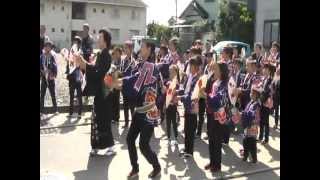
x: 177, y: 15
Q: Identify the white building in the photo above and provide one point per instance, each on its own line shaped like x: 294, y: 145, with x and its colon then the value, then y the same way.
x: 267, y: 25
x: 64, y: 18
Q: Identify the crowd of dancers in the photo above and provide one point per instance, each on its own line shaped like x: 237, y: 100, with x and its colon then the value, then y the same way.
x: 237, y: 93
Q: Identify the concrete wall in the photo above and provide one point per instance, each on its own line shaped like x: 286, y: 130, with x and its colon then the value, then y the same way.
x: 265, y: 10
x: 58, y: 19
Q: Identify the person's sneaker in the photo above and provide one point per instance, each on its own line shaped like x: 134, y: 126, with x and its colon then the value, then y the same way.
x: 94, y: 152
x: 133, y: 173
x: 206, y: 138
x: 155, y: 172
x: 56, y: 112
x: 79, y: 116
x: 208, y: 167
x: 264, y: 142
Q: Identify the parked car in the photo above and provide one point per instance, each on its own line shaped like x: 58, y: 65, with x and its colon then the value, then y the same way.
x: 220, y: 45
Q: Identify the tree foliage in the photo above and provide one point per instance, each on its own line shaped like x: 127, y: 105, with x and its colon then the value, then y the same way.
x: 236, y: 22
x: 160, y: 32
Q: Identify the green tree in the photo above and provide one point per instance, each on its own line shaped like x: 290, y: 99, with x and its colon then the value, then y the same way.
x: 160, y: 32
x: 236, y: 22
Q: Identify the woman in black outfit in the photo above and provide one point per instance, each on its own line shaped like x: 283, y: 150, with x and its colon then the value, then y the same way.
x: 101, y: 134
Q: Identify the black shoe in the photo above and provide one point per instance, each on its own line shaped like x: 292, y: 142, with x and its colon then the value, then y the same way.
x: 156, y: 171
x: 133, y: 173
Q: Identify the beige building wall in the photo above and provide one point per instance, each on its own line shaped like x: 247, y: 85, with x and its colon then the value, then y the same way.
x: 122, y: 21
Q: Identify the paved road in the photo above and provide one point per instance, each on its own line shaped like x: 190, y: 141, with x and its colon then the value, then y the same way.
x: 66, y: 150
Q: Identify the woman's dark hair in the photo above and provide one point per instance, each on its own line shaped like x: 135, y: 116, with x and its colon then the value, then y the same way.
x: 253, y: 55
x: 196, y: 60
x: 258, y: 44
x: 228, y: 51
x: 277, y: 45
x: 117, y: 49
x: 224, y: 72
x: 164, y: 48
x: 195, y: 50
x: 106, y: 37
x: 272, y: 69
x: 152, y: 46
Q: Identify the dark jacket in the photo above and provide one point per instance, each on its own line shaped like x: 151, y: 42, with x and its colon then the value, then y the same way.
x: 50, y: 64
x: 95, y: 74
x: 86, y: 45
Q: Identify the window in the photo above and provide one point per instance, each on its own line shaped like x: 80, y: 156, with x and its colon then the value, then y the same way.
x: 78, y: 10
x: 102, y: 10
x: 52, y: 30
x: 62, y: 30
x: 115, y: 34
x: 271, y: 32
x: 116, y: 13
x: 94, y: 10
x: 62, y: 8
x: 133, y: 33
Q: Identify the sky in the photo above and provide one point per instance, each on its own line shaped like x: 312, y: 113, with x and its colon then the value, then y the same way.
x: 161, y: 10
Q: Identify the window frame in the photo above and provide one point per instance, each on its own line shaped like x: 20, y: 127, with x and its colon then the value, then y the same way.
x: 73, y: 14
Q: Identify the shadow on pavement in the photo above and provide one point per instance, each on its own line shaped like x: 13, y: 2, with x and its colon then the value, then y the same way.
x: 68, y: 122
x: 173, y: 159
x: 274, y: 153
x: 97, y: 167
x: 193, y: 171
x: 232, y: 160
